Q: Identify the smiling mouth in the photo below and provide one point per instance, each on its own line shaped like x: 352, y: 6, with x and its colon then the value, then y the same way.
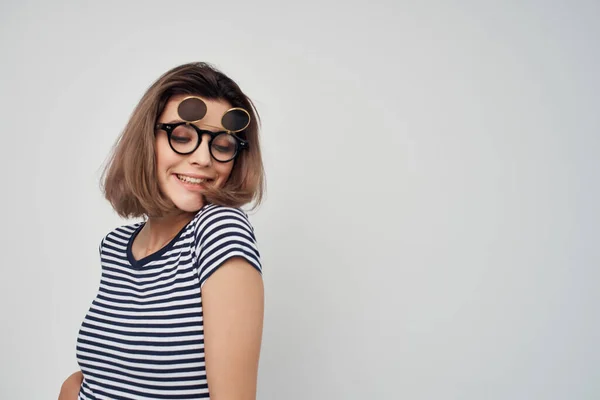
x: 193, y: 181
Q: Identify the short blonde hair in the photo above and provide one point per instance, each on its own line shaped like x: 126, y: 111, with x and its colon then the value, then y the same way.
x: 129, y: 180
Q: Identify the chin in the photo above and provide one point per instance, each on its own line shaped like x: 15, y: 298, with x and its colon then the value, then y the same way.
x: 186, y: 203
x: 189, y: 206
x: 184, y: 200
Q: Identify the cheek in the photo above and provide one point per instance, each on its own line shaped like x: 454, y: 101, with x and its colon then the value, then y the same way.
x: 165, y: 157
x: 224, y: 170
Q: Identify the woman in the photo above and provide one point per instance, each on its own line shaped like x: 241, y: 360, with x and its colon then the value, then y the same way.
x: 179, y: 311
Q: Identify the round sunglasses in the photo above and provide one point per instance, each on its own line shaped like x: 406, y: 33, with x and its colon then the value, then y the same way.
x: 185, y: 137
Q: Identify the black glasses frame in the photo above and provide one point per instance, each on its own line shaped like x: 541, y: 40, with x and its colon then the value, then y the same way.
x: 240, y: 143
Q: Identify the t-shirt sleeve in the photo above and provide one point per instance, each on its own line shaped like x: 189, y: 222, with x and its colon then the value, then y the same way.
x: 100, y: 246
x: 223, y: 233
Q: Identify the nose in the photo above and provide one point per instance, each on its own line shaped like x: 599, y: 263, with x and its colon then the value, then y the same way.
x: 201, y: 156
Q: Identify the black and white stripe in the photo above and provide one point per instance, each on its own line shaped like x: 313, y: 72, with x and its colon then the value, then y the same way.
x: 143, y: 336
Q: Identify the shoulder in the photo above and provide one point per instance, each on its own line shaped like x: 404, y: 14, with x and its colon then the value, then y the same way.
x: 120, y: 236
x: 222, y: 233
x: 212, y: 211
x: 214, y: 219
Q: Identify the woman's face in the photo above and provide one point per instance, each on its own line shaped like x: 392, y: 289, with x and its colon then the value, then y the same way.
x: 183, y: 178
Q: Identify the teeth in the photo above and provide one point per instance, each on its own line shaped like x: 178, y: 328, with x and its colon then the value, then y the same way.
x: 190, y: 179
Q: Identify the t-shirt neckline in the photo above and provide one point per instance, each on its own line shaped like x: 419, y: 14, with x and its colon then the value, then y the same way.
x: 157, y: 254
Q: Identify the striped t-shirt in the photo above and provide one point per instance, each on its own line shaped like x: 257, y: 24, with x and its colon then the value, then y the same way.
x: 143, y: 336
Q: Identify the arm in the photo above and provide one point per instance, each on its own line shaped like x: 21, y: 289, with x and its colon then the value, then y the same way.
x: 70, y: 387
x: 233, y: 304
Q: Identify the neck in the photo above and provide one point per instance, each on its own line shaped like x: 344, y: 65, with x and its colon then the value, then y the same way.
x: 158, y: 231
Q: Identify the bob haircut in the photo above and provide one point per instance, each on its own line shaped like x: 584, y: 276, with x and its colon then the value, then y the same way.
x: 129, y: 180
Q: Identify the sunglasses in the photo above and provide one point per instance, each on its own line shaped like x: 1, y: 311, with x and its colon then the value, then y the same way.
x: 185, y: 137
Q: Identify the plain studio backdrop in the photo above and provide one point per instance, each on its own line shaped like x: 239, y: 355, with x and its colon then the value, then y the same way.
x: 431, y: 224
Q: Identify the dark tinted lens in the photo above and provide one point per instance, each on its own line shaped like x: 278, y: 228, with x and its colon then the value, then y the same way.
x: 192, y: 109
x: 223, y: 147
x: 235, y: 120
x: 184, y: 139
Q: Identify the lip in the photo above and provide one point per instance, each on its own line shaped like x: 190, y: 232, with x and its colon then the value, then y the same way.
x: 192, y: 187
x: 194, y: 176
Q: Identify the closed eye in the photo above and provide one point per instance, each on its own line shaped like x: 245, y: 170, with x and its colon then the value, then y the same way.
x: 180, y: 139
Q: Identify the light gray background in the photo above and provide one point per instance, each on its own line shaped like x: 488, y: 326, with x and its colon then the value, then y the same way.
x: 431, y: 226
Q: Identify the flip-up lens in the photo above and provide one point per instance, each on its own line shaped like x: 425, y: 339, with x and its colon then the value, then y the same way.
x: 235, y: 120
x: 192, y: 109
